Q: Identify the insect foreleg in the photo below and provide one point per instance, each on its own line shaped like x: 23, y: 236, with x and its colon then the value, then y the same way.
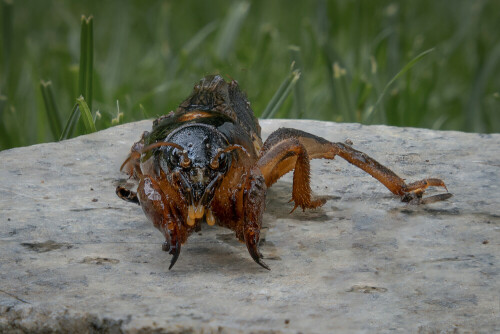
x: 162, y: 212
x: 254, y: 202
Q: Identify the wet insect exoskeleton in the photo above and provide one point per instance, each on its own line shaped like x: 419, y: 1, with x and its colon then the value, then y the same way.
x: 206, y: 162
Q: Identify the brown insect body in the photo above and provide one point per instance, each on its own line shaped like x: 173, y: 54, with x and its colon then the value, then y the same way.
x: 206, y: 162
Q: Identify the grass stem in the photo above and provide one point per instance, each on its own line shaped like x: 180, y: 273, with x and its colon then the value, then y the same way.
x: 86, y: 115
x: 281, y: 94
x: 86, y: 59
x: 51, y: 108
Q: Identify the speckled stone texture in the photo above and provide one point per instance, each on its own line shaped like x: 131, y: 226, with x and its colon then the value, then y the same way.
x: 76, y: 258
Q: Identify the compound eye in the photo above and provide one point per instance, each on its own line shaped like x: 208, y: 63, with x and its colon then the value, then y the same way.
x: 178, y: 158
x: 174, y: 157
x: 222, y: 161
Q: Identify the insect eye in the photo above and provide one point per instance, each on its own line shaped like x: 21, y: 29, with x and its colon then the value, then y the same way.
x: 222, y: 161
x: 173, y: 158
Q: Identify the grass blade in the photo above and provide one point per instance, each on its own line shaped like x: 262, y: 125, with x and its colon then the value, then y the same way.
x: 90, y: 60
x: 4, y: 135
x: 281, y: 94
x: 144, y: 113
x: 194, y: 43
x: 275, y: 97
x: 51, y: 108
x: 407, y: 67
x: 473, y: 106
x: 86, y: 59
x: 83, y: 58
x: 7, y: 34
x: 88, y: 121
x: 298, y: 90
x: 71, y: 123
x: 342, y: 92
x: 231, y: 28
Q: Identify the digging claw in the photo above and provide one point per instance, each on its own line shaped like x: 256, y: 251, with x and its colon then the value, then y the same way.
x: 257, y: 257
x: 263, y: 264
x: 175, y: 251
x: 255, y: 254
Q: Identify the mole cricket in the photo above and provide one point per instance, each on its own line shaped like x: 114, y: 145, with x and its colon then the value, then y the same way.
x: 206, y: 162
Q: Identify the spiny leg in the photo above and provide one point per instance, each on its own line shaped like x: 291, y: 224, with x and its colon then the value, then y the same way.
x: 386, y: 176
x: 281, y: 158
x: 132, y: 167
x: 423, y: 184
x: 175, y: 238
x: 163, y: 214
x: 254, y: 202
x: 317, y: 147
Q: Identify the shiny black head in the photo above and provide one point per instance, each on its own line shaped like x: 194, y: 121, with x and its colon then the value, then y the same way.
x: 200, y: 164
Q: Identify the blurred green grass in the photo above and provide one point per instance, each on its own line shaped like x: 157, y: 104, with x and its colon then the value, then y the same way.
x: 148, y: 55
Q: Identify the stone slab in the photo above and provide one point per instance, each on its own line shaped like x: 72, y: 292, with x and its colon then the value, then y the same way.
x: 75, y: 258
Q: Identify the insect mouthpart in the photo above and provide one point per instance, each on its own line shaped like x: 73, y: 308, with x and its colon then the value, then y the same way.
x: 197, y: 212
x: 201, y: 195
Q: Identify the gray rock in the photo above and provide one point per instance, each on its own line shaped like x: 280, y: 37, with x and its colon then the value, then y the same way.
x: 76, y: 258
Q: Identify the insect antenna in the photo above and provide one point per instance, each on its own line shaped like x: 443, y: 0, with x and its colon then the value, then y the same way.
x: 215, y: 160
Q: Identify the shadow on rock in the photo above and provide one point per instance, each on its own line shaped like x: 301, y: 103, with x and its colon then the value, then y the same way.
x: 278, y: 204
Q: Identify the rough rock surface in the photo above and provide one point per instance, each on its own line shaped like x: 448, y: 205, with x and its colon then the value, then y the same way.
x: 76, y: 258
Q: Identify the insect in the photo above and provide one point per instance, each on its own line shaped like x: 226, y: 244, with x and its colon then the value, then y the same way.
x: 206, y: 162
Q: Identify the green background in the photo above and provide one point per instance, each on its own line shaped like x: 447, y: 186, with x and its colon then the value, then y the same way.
x: 149, y: 54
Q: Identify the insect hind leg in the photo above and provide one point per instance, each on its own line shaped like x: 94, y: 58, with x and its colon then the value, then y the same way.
x: 280, y: 155
x: 386, y: 176
x: 277, y: 159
